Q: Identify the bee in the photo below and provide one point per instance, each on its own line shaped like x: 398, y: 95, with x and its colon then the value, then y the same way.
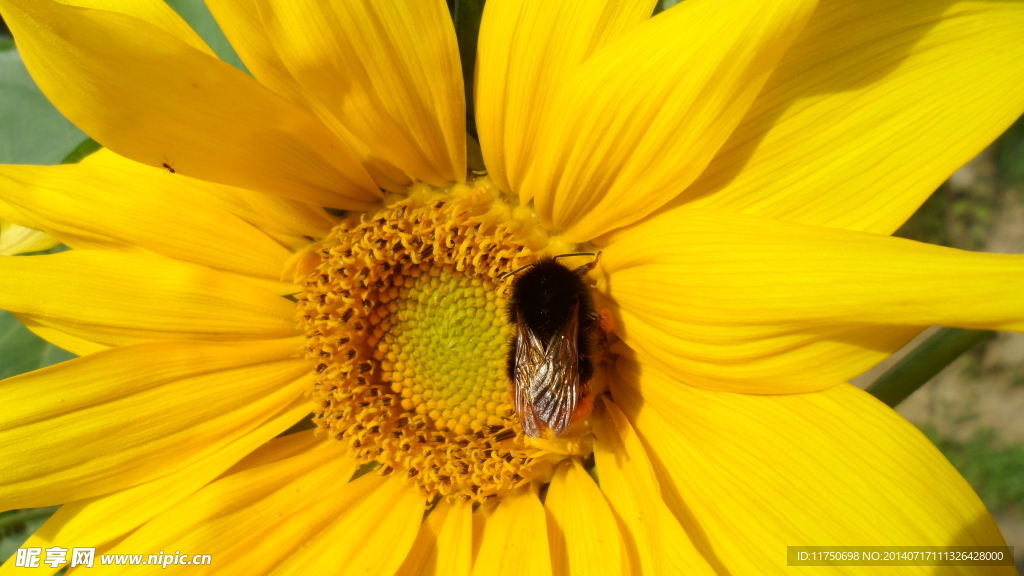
x: 557, y: 331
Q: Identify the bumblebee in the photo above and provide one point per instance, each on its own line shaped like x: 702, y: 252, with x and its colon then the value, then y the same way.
x: 557, y: 332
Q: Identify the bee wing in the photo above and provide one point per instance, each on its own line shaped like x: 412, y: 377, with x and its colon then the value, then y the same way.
x: 556, y: 391
x: 529, y: 357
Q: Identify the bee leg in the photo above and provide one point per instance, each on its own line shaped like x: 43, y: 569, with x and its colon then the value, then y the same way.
x: 606, y: 320
x: 582, y: 270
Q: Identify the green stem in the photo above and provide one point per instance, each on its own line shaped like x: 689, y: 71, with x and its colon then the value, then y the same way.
x: 466, y: 15
x: 923, y: 362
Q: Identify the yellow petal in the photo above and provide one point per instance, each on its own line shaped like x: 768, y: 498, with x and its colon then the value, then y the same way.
x: 106, y: 376
x: 480, y: 517
x: 241, y: 23
x: 729, y: 301
x: 644, y: 116
x: 388, y: 71
x: 277, y: 216
x: 655, y: 542
x: 250, y: 520
x: 18, y: 239
x: 527, y: 50
x: 372, y: 537
x: 753, y: 474
x: 91, y: 205
x: 74, y: 344
x: 278, y: 449
x: 154, y: 12
x: 121, y: 298
x: 872, y: 108
x: 444, y: 544
x: 121, y: 417
x: 98, y: 521
x: 150, y: 97
x: 515, y: 538
x: 455, y: 542
x: 422, y: 557
x: 582, y: 532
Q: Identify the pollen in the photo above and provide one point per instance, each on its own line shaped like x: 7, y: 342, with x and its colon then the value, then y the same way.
x: 404, y: 316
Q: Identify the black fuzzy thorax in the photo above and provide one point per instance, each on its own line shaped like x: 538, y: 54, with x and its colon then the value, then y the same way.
x: 543, y: 296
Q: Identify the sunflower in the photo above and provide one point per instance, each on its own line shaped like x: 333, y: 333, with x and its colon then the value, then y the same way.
x: 740, y: 166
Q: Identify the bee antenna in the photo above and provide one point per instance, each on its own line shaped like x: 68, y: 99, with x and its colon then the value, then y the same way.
x: 574, y: 254
x: 514, y: 272
x: 521, y: 268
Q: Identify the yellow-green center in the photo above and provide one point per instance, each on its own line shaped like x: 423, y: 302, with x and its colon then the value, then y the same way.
x: 444, y: 352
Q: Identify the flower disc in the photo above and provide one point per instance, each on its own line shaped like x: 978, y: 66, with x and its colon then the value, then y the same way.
x: 404, y: 315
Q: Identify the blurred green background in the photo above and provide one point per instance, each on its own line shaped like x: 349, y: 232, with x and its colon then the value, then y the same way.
x: 971, y: 410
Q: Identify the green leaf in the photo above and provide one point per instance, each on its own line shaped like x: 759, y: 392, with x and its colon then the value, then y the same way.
x: 300, y: 426
x: 32, y: 131
x: 1010, y: 153
x: 466, y: 15
x: 6, y: 41
x: 21, y: 350
x: 199, y: 18
x: 17, y: 525
x: 923, y: 362
x: 663, y: 5
x: 81, y: 151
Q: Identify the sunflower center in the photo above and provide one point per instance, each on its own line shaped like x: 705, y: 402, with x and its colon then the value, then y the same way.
x: 444, y: 351
x: 404, y: 314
